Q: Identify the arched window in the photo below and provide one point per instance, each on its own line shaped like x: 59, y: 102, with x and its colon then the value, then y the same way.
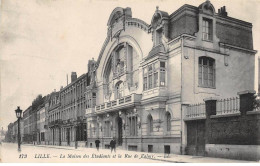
x: 168, y: 121
x: 206, y: 72
x: 150, y: 123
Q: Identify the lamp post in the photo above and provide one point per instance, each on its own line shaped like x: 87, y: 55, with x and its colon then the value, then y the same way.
x: 18, y: 113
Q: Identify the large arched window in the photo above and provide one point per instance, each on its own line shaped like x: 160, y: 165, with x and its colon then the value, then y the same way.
x: 126, y: 61
x: 168, y: 121
x: 133, y: 68
x: 108, y: 77
x: 206, y: 72
x: 119, y: 60
x: 150, y: 123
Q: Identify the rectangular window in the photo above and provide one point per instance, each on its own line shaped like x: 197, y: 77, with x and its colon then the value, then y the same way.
x: 107, y: 129
x: 156, y: 83
x: 207, y: 29
x: 206, y: 75
x: 132, y: 126
x: 200, y: 71
x: 145, y: 83
x: 162, y: 64
x: 156, y: 75
x: 158, y: 35
x: 162, y: 78
x: 150, y: 80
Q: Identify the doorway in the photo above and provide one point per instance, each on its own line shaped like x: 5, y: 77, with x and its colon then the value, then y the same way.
x: 68, y: 136
x: 196, y: 138
x: 119, y: 131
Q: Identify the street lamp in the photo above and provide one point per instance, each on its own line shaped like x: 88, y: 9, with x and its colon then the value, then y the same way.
x: 18, y: 113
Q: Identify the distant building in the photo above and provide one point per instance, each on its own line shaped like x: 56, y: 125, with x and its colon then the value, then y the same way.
x: 27, y: 137
x: 9, y: 133
x: 2, y: 135
x: 41, y: 125
x: 14, y: 131
x: 53, y: 114
x: 258, y: 76
x: 67, y: 118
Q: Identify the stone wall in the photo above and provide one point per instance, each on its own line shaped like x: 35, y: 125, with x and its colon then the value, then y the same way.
x: 234, y: 136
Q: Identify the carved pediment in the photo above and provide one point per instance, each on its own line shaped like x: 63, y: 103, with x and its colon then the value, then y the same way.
x: 207, y: 8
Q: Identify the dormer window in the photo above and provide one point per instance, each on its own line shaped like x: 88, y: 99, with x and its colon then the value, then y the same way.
x: 158, y: 37
x: 207, y: 29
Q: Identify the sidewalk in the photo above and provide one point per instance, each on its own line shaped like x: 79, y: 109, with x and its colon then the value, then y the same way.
x: 173, y: 158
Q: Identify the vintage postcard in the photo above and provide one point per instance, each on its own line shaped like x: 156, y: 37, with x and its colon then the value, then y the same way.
x: 113, y: 81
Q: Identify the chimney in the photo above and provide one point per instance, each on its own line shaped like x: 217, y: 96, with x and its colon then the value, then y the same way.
x: 54, y: 90
x: 222, y: 11
x: 73, y: 76
x: 67, y: 80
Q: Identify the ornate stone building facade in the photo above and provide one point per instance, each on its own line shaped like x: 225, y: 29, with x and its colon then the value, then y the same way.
x: 146, y: 75
x: 71, y: 116
x: 52, y: 119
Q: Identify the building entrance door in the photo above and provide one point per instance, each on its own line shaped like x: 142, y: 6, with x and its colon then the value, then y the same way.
x: 196, y: 137
x: 119, y: 131
x: 59, y: 136
x: 68, y: 136
x: 53, y: 136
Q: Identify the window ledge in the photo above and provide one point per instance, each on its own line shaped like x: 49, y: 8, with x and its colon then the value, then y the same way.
x: 225, y: 115
x: 132, y: 137
x: 107, y: 137
x: 213, y: 87
x: 158, y: 87
x: 252, y: 112
x: 195, y: 118
x: 210, y: 41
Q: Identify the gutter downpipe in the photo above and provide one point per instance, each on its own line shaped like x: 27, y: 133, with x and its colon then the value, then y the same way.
x: 181, y: 148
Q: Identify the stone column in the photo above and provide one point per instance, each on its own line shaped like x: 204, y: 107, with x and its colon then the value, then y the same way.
x: 246, y: 101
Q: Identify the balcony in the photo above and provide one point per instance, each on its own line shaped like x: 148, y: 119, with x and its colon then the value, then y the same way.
x: 90, y: 111
x: 125, y: 102
x: 159, y: 92
x: 55, y: 123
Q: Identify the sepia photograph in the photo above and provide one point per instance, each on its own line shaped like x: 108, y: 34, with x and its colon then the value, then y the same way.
x: 113, y: 81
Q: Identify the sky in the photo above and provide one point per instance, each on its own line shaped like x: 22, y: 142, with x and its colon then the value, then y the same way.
x: 41, y: 41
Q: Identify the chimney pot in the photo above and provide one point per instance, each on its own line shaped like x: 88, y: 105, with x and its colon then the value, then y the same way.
x: 73, y: 76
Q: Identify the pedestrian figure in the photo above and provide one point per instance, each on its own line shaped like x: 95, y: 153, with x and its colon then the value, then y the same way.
x: 113, y: 145
x: 97, y: 142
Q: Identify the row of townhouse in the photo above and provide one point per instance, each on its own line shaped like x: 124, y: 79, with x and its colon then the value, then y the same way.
x: 12, y: 132
x: 146, y: 78
x: 55, y: 119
